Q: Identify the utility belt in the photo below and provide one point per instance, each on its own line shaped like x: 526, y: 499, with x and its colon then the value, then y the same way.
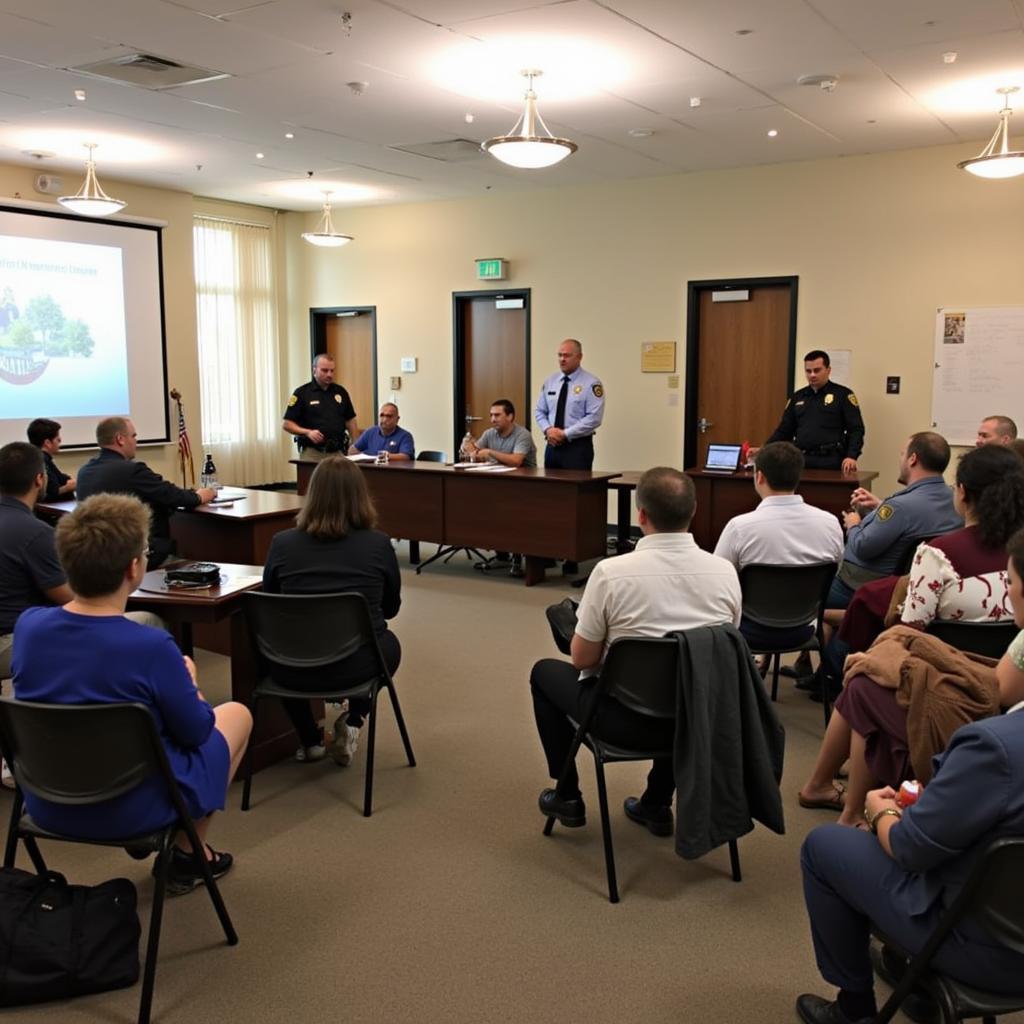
x: 328, y: 445
x: 825, y: 449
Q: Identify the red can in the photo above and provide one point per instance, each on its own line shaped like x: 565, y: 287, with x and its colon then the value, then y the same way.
x: 909, y: 793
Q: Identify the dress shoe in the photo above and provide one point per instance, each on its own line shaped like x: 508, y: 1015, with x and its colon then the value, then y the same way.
x: 570, y: 568
x: 657, y: 819
x: 813, y: 1009
x: 800, y: 669
x: 571, y: 813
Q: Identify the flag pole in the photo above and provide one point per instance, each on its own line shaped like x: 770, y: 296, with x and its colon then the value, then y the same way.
x: 188, y: 469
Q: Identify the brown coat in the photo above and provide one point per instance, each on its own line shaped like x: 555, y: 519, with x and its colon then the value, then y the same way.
x: 941, y: 687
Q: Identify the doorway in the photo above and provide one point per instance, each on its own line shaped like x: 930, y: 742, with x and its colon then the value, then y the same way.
x: 740, y: 358
x: 492, y: 357
x: 348, y: 334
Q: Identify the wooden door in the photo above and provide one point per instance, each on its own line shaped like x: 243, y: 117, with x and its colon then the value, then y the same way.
x: 349, y: 340
x: 491, y: 358
x: 740, y: 359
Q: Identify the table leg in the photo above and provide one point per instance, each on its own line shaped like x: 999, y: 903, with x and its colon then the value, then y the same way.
x: 414, y: 552
x: 535, y: 569
x: 623, y: 540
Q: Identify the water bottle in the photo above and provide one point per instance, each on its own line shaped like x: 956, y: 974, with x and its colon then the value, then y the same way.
x: 208, y: 478
x: 467, y: 447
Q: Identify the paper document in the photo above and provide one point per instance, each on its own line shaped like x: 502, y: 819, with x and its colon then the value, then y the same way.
x: 490, y: 467
x: 362, y: 457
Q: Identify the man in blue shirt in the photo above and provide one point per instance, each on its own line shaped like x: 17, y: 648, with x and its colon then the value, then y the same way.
x: 386, y: 436
x: 569, y: 411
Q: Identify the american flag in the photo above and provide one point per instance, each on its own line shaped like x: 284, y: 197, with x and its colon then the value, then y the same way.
x: 185, y: 451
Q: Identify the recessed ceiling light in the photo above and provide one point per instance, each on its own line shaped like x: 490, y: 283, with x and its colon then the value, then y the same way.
x: 772, y: 132
x: 289, y: 135
x: 949, y: 57
x: 259, y: 156
x: 469, y: 119
x: 694, y: 101
x: 641, y: 133
x: 80, y: 95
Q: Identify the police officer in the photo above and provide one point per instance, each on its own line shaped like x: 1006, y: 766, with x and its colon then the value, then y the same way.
x: 320, y: 413
x: 823, y: 419
x: 569, y: 411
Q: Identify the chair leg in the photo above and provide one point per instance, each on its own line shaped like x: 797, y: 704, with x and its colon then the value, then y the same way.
x: 371, y: 743
x: 211, y: 885
x: 734, y: 861
x: 775, y: 676
x: 400, y: 719
x: 247, y: 762
x: 34, y: 855
x: 606, y: 831
x: 549, y: 825
x: 11, y: 849
x: 163, y: 862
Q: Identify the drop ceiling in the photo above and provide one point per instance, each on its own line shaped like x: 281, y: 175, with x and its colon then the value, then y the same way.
x: 372, y: 90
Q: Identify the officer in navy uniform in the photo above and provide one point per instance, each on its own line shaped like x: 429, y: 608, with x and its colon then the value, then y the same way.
x: 823, y: 419
x: 569, y: 411
x: 320, y: 414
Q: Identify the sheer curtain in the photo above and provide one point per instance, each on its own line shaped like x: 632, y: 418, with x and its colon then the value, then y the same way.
x: 238, y: 363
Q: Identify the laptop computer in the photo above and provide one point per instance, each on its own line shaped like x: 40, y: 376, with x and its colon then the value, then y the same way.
x: 722, y: 458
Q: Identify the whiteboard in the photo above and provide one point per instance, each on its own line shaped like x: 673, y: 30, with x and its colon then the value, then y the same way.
x: 979, y: 369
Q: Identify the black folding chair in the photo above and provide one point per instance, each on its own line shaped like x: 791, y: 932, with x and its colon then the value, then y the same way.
x: 993, y: 897
x: 431, y: 456
x: 640, y: 673
x: 86, y: 754
x: 310, y: 631
x: 786, y: 597
x: 988, y: 638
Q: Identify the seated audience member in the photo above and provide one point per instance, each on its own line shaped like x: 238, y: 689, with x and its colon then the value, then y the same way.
x: 902, y: 878
x: 88, y: 652
x: 505, y: 441
x: 116, y: 471
x: 29, y: 571
x: 386, y: 436
x: 334, y: 548
x: 999, y: 430
x: 45, y: 435
x: 960, y: 576
x: 666, y: 584
x: 782, y: 530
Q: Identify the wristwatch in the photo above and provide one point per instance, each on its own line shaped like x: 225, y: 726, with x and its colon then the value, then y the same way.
x: 873, y: 821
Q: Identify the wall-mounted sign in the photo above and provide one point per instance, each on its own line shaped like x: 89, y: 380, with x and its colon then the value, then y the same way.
x: 658, y: 357
x: 491, y: 270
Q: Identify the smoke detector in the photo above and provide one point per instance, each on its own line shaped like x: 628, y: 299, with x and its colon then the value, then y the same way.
x: 824, y: 82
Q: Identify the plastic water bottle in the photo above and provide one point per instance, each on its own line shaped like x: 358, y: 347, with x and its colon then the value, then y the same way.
x: 208, y: 477
x: 467, y: 447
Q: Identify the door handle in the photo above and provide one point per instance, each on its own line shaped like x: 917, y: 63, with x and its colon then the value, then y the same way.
x: 473, y: 419
x: 703, y: 425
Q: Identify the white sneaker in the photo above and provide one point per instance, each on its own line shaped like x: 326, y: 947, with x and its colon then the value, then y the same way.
x: 346, y: 741
x: 305, y: 754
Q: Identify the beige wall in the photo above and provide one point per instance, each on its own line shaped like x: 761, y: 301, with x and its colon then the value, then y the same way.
x: 878, y: 242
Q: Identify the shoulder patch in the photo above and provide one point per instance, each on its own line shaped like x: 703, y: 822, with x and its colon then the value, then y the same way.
x: 829, y: 398
x: 293, y: 401
x: 337, y: 398
x: 597, y: 389
x: 852, y: 398
x: 885, y: 512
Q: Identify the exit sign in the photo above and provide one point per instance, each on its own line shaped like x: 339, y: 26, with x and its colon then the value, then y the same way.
x: 491, y: 270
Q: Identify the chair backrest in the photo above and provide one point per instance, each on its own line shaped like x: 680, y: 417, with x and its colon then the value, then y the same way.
x: 988, y: 638
x: 906, y: 559
x: 431, y: 456
x: 308, y: 630
x: 996, y: 901
x: 640, y: 673
x: 785, y: 596
x: 81, y: 753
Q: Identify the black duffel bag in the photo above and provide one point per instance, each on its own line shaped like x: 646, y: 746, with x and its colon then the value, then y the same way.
x: 59, y: 940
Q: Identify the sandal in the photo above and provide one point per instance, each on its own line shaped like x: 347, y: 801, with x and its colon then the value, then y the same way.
x: 834, y: 803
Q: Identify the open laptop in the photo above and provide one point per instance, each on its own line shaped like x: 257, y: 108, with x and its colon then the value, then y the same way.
x: 722, y: 458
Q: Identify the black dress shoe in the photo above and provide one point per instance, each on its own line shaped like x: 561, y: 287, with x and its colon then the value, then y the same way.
x: 813, y: 1009
x: 800, y: 669
x: 570, y: 568
x: 571, y: 813
x: 657, y: 819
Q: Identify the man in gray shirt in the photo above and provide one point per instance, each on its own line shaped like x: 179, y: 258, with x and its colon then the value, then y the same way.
x: 506, y: 442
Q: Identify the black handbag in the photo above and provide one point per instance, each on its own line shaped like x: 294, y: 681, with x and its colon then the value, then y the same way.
x: 59, y: 940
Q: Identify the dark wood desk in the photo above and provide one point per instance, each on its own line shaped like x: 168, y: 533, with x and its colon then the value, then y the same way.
x: 541, y: 514
x: 220, y: 608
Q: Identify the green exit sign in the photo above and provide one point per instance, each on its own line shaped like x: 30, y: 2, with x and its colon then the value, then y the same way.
x: 491, y: 270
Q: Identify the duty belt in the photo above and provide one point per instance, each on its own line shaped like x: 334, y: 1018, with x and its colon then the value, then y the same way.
x: 824, y: 449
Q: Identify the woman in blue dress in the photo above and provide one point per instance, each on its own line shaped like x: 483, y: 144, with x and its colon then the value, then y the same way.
x: 87, y: 652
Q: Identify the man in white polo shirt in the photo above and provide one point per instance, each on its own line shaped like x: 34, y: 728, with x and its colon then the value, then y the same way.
x: 666, y: 584
x: 782, y: 530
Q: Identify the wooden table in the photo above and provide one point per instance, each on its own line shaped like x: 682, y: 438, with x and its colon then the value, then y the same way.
x: 541, y: 514
x: 219, y: 608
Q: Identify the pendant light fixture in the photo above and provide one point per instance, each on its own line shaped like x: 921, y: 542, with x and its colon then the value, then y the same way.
x: 523, y: 147
x: 997, y: 160
x: 325, y: 236
x: 90, y: 200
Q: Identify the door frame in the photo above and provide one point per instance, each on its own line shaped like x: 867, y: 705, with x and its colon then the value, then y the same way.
x: 693, y: 293
x: 458, y: 351
x: 318, y: 316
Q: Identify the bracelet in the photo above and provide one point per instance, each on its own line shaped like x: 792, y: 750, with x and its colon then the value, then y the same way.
x: 873, y: 822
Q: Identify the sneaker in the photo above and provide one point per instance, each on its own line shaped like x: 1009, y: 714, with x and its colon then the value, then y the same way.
x: 346, y: 741
x: 185, y: 874
x: 306, y: 754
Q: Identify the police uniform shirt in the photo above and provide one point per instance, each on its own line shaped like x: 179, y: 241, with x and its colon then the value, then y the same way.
x: 879, y: 541
x: 584, y: 405
x: 324, y: 409
x: 828, y: 416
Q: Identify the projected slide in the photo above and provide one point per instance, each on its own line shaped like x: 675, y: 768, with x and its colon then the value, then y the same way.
x: 62, y: 328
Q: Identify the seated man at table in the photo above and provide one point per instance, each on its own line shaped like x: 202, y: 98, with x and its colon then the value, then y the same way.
x: 666, y: 584
x: 30, y: 573
x: 782, y: 530
x: 387, y: 436
x: 505, y: 441
x: 45, y: 435
x: 116, y: 470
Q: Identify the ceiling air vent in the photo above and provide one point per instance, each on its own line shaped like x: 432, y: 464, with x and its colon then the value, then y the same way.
x: 148, y: 71
x: 449, y: 151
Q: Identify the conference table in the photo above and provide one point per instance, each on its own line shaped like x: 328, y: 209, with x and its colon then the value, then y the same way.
x: 541, y: 514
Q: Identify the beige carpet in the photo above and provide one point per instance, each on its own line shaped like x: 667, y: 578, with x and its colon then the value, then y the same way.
x: 448, y: 904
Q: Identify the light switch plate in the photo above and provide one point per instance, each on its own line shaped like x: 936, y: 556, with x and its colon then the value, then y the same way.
x: 409, y: 364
